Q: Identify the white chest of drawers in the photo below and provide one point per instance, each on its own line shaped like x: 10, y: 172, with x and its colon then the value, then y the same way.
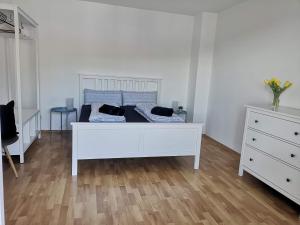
x: 271, y: 148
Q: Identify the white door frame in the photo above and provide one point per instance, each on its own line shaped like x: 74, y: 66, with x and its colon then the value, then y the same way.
x: 2, y: 216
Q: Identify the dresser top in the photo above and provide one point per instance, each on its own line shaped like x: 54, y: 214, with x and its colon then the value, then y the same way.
x: 282, y: 110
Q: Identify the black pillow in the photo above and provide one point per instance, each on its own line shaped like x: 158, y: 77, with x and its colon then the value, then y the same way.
x: 112, y: 110
x: 161, y: 111
x: 8, y: 123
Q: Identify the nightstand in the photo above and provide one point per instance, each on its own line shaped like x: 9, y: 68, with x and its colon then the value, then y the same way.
x: 62, y: 110
x: 182, y: 114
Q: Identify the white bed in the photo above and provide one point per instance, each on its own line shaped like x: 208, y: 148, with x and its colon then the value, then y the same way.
x: 131, y: 140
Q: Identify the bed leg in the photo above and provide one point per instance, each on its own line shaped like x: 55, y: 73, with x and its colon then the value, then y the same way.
x: 74, y: 167
x: 39, y: 135
x: 22, y: 158
x: 198, y: 152
x: 196, y: 162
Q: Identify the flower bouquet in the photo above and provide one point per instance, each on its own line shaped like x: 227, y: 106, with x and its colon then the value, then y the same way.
x: 277, y: 88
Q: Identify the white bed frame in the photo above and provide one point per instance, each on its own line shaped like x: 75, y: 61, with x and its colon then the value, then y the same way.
x: 131, y: 140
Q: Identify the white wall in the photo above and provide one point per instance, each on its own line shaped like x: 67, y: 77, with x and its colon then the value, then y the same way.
x: 83, y: 37
x: 256, y: 40
x: 28, y: 74
x: 8, y: 76
x: 7, y: 70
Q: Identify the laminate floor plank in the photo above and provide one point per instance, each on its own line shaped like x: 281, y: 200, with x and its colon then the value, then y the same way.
x: 149, y: 191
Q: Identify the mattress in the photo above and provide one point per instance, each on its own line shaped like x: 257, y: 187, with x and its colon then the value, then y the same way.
x: 131, y: 115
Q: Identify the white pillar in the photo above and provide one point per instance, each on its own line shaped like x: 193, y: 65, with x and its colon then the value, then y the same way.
x: 201, y: 65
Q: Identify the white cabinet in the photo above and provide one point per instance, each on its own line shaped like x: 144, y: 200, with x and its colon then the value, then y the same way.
x: 271, y: 148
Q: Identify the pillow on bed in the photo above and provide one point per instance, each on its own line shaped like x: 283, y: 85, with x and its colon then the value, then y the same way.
x: 135, y: 97
x: 104, y: 97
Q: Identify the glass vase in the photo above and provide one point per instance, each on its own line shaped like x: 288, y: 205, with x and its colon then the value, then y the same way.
x: 276, y: 102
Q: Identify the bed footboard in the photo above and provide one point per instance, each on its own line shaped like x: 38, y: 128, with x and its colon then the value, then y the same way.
x: 131, y: 140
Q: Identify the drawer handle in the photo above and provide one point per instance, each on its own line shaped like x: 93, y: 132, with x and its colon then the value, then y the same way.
x: 253, y: 139
x: 296, y: 133
x: 293, y: 155
x: 251, y: 160
x: 256, y: 121
x: 288, y: 180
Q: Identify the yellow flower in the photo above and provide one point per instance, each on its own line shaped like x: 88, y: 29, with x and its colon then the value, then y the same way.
x: 274, y: 81
x: 275, y: 85
x: 277, y: 82
x: 287, y: 84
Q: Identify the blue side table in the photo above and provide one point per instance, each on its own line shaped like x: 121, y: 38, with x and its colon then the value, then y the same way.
x: 62, y: 110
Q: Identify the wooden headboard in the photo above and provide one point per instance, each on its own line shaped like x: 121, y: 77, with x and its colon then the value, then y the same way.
x: 109, y: 83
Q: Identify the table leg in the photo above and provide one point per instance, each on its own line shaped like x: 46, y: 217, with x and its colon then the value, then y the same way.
x: 61, y: 121
x: 67, y: 118
x: 76, y: 116
x: 50, y: 121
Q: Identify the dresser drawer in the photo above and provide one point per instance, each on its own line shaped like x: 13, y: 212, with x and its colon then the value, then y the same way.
x: 286, y: 152
x: 278, y: 127
x: 283, y: 176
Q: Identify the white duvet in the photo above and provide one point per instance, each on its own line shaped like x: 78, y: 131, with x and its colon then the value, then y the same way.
x: 97, y: 117
x: 145, y: 110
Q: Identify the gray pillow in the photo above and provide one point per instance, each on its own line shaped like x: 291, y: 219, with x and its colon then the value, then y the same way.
x: 104, y: 97
x: 135, y: 97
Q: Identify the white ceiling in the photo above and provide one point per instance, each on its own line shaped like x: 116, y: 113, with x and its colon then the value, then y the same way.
x: 189, y: 7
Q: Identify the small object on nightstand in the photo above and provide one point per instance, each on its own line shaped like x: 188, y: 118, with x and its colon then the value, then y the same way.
x: 62, y: 110
x: 70, y: 103
x: 175, y: 105
x: 181, y: 113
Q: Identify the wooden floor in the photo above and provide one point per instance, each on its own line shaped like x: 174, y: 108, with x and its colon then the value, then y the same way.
x: 138, y: 191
